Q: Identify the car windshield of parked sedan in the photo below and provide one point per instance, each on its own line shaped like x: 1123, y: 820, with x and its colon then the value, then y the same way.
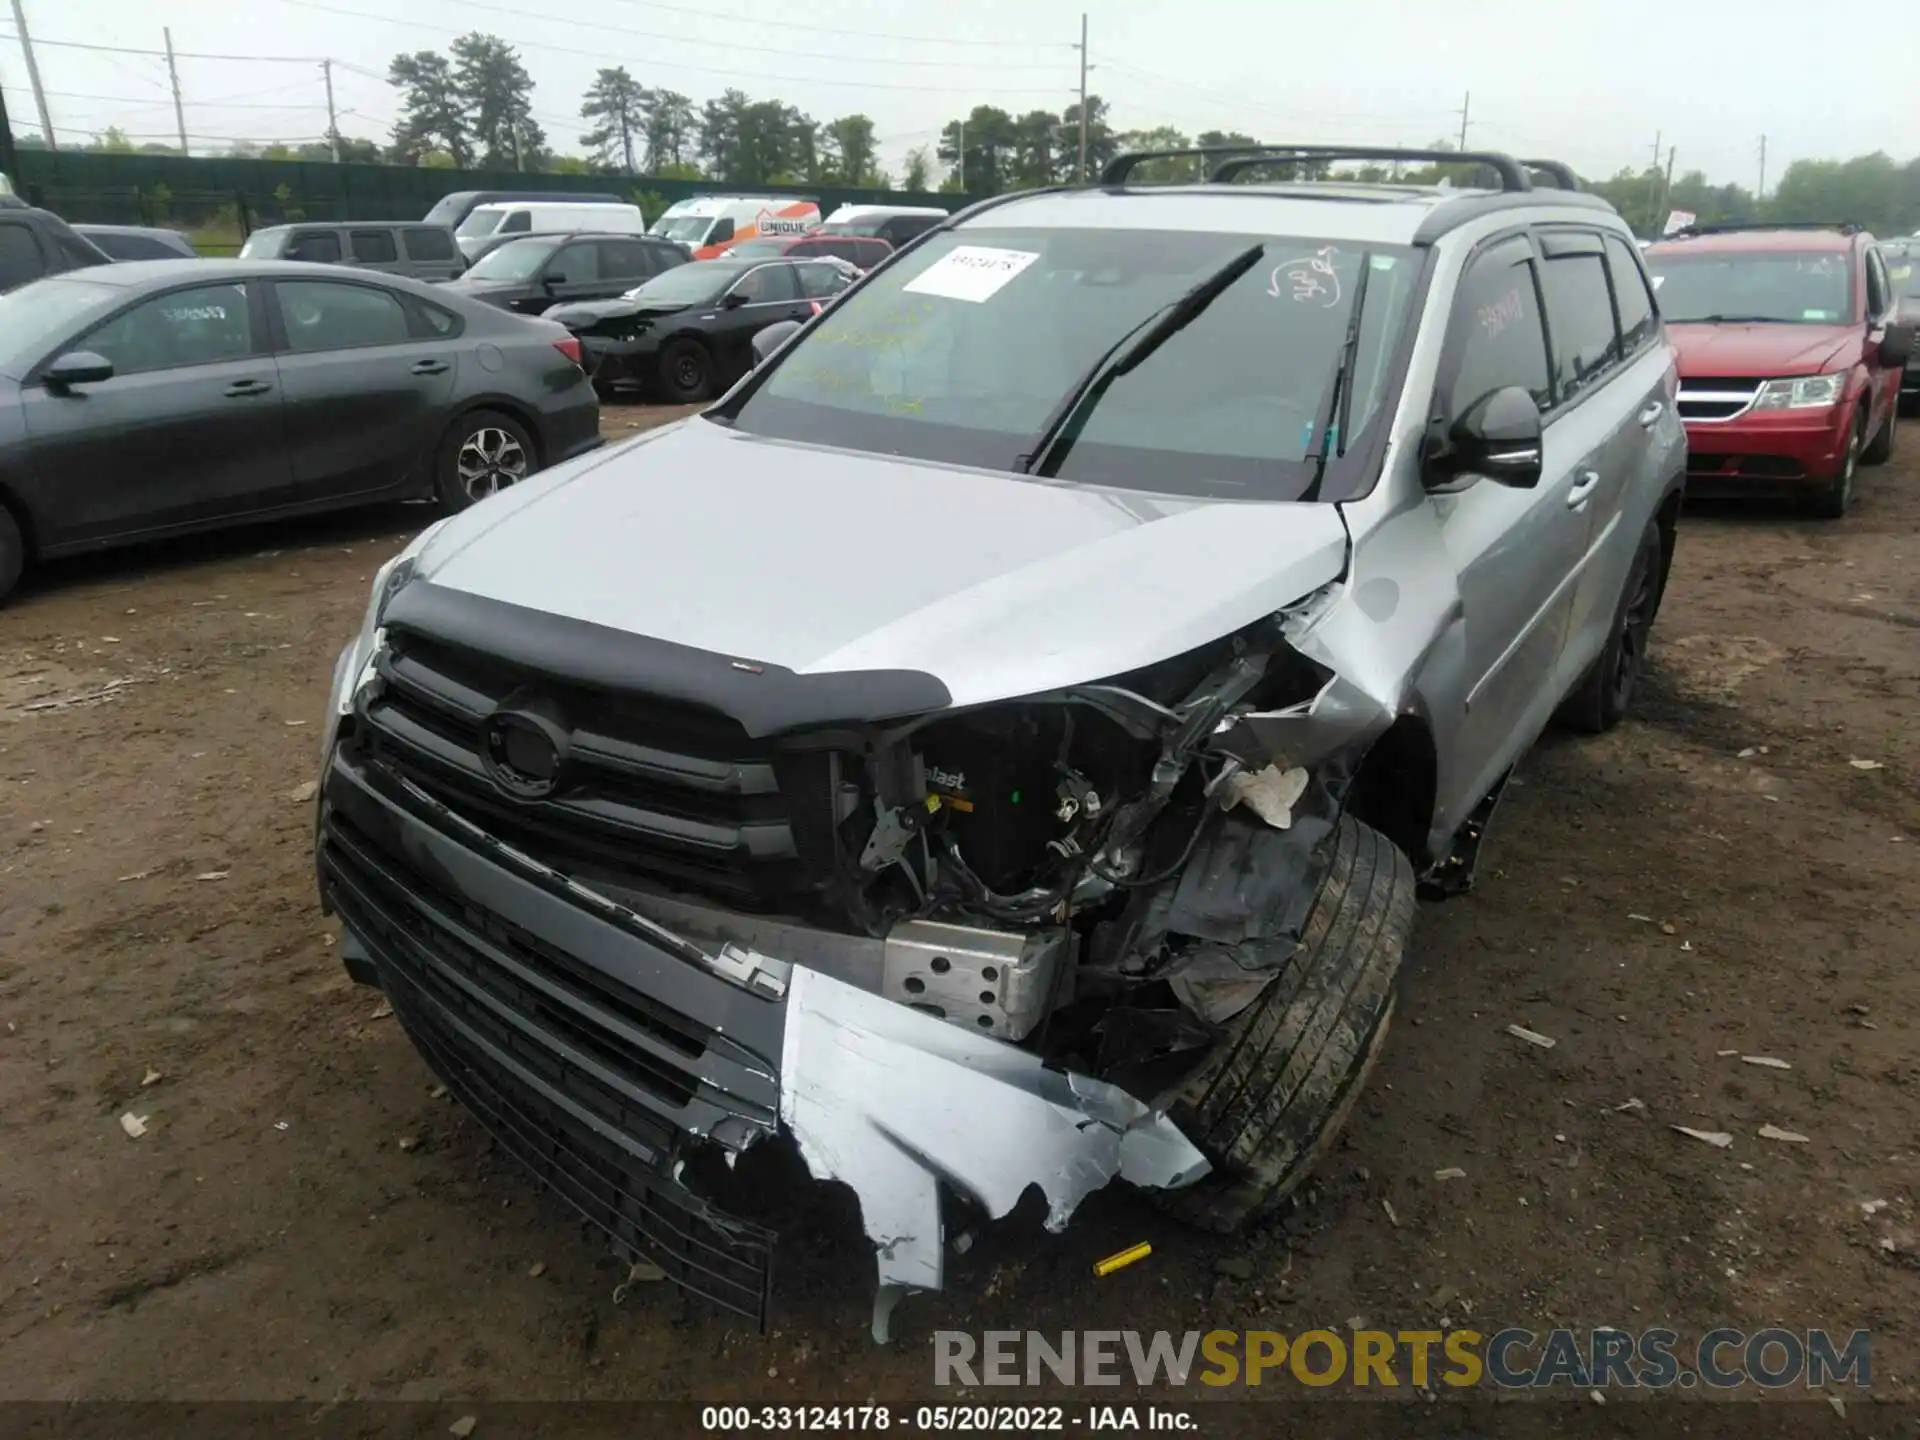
x: 700, y: 283
x: 1765, y: 286
x: 965, y: 350
x: 515, y: 260
x: 35, y: 318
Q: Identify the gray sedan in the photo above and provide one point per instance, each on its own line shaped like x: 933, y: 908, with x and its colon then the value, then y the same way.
x: 159, y: 397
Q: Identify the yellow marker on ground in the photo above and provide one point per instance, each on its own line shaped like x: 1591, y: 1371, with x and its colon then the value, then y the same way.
x: 1120, y: 1262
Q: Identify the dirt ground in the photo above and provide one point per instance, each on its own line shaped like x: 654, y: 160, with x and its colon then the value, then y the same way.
x: 1731, y: 873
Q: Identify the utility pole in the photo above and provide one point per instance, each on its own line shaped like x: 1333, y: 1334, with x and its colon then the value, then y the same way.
x: 1653, y: 189
x: 1083, y: 98
x: 333, y: 125
x: 1466, y: 102
x: 1761, y: 194
x: 1666, y: 191
x: 173, y: 78
x: 33, y: 76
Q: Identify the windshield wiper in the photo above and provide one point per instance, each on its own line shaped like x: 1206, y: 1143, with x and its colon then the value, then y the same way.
x: 1340, y: 393
x: 1731, y: 320
x: 1127, y: 353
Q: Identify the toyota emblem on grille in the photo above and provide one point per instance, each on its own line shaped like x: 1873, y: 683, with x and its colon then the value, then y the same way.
x: 524, y: 751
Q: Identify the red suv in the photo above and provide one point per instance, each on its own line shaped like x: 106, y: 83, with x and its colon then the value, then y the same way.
x: 1789, y: 357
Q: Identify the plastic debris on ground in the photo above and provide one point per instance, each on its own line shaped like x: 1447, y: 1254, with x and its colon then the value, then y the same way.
x: 463, y: 1427
x: 1452, y: 1172
x: 1792, y: 1137
x: 1132, y: 1255
x: 1532, y: 1037
x: 134, y: 1125
x: 1718, y: 1138
x: 1767, y: 1060
x: 152, y: 1077
x: 1633, y: 1105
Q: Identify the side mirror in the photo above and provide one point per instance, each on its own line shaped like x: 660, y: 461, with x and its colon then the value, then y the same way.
x: 1499, y: 437
x: 554, y: 282
x: 77, y: 367
x: 733, y: 300
x: 771, y: 339
x: 1896, y: 345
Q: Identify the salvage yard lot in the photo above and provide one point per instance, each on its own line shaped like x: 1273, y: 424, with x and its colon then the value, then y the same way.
x: 1731, y: 873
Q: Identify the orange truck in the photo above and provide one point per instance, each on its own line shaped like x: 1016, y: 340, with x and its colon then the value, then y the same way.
x: 709, y: 224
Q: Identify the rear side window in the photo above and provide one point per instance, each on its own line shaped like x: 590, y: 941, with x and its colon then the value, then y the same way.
x: 1580, y: 319
x: 322, y: 315
x: 1497, y: 329
x: 428, y: 244
x: 374, y: 247
x: 321, y: 247
x: 1638, y: 320
x: 20, y: 259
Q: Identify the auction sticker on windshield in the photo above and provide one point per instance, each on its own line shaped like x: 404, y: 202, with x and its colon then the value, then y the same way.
x: 972, y: 272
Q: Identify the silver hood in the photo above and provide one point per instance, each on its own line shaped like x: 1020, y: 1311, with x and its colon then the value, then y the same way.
x: 821, y: 560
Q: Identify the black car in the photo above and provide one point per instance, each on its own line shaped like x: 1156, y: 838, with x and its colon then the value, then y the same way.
x: 138, y: 242
x: 690, y: 332
x: 159, y: 396
x: 533, y: 272
x: 37, y: 242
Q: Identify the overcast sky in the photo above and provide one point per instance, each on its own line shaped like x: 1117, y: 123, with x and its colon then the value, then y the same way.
x: 1587, y: 81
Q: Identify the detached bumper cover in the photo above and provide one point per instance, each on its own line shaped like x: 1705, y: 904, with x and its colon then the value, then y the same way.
x: 606, y: 1054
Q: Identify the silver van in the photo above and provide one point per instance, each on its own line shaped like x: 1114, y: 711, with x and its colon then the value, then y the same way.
x: 392, y: 247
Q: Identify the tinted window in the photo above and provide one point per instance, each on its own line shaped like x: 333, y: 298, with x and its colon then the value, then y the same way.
x: 322, y: 247
x: 869, y: 253
x: 768, y: 284
x: 1637, y: 319
x: 428, y: 244
x: 374, y: 247
x: 19, y: 256
x: 1580, y: 320
x: 518, y: 223
x: 902, y: 228
x: 320, y: 315
x: 185, y: 327
x: 135, y: 247
x: 819, y: 281
x: 1877, y: 288
x: 1498, y: 331
x: 625, y: 260
x: 959, y: 351
x: 722, y: 230
x: 575, y: 263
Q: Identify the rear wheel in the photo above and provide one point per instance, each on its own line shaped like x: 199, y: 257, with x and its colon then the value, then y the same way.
x: 686, y: 372
x: 1830, y: 502
x: 13, y: 553
x: 1273, y: 1097
x: 1605, y: 692
x: 483, y: 454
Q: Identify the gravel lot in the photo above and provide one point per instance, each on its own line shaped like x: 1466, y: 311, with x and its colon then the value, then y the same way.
x: 1732, y: 871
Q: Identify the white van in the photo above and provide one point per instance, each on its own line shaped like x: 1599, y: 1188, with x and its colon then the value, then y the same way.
x: 710, y: 224
x: 534, y: 217
x: 896, y: 224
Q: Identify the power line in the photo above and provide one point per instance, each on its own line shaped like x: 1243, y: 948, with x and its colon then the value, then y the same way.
x: 602, y: 55
x: 144, y: 103
x: 178, y: 54
x: 757, y: 21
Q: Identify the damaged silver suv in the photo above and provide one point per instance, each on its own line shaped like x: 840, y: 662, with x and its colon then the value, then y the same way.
x: 1000, y: 743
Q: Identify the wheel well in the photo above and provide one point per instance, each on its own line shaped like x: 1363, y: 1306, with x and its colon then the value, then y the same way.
x: 23, y: 518
x: 1394, y: 789
x: 514, y: 412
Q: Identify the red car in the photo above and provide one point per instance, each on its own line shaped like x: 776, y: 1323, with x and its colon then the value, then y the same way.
x: 1789, y: 357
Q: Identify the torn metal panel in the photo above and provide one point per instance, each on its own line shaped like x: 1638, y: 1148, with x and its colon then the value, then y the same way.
x: 894, y: 1103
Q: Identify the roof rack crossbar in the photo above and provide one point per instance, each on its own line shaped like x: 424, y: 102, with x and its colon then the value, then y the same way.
x: 1560, y: 172
x: 1121, y: 166
x: 1735, y: 227
x: 1512, y: 173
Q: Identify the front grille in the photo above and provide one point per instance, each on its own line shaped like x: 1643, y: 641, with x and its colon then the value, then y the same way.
x: 592, y: 1084
x: 1717, y: 399
x: 651, y: 791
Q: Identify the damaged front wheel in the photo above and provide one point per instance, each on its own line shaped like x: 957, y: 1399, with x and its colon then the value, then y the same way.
x: 1273, y: 1097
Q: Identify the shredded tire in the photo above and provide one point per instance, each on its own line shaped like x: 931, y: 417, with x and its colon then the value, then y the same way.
x: 1270, y: 1101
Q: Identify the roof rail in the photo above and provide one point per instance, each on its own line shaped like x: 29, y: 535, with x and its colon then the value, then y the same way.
x: 1512, y: 173
x: 1561, y: 174
x: 1844, y: 227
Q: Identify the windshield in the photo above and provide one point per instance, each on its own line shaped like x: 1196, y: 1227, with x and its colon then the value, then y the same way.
x: 700, y: 282
x: 690, y: 229
x: 962, y: 351
x: 34, y: 318
x: 480, y: 223
x: 1776, y: 286
x: 515, y: 260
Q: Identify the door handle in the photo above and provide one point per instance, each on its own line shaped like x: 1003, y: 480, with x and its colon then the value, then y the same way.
x: 1582, y: 488
x: 1652, y: 413
x: 241, y: 389
x: 430, y: 367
